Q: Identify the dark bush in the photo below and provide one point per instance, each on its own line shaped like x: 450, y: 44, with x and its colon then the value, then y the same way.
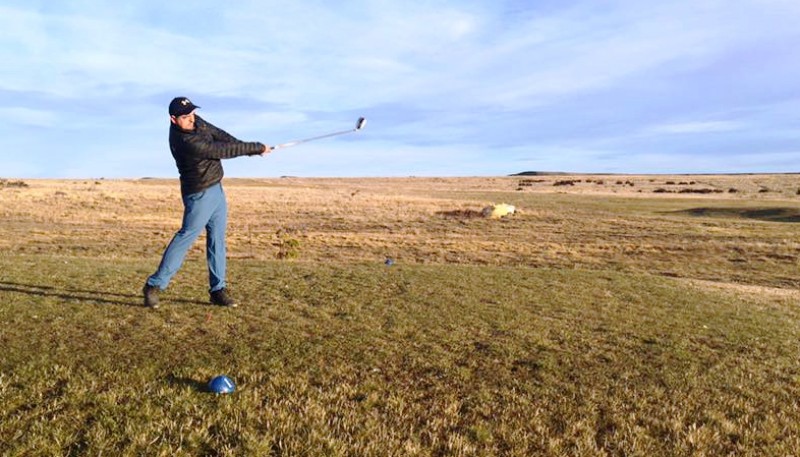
x: 700, y: 191
x: 6, y: 183
x: 565, y: 182
x: 529, y: 182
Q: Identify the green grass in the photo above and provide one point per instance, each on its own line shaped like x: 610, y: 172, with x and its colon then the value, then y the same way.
x: 366, y: 360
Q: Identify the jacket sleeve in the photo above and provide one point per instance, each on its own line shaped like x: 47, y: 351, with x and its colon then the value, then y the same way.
x: 222, y: 146
x: 219, y: 150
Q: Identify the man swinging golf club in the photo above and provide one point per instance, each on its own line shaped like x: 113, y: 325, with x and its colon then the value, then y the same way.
x: 198, y: 148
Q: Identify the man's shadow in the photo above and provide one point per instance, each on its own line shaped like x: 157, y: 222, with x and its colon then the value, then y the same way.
x: 82, y: 295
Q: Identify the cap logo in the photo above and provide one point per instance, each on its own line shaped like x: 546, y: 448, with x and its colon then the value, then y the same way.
x: 185, y: 101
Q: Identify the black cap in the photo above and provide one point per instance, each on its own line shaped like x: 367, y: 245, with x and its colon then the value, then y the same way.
x: 180, y: 106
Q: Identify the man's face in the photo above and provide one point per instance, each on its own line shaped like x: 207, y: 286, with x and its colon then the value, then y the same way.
x: 185, y: 122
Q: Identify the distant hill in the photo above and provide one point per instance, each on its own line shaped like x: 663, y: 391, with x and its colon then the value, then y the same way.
x: 540, y: 173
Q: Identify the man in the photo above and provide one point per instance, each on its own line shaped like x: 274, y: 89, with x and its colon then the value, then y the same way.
x: 198, y: 148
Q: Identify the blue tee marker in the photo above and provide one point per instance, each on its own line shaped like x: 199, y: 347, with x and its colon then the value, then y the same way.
x: 221, y: 385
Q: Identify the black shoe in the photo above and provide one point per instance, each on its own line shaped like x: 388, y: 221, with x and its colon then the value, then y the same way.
x: 150, y: 296
x: 221, y: 298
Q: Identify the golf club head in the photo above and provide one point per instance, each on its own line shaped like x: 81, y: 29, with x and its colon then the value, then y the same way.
x: 361, y: 123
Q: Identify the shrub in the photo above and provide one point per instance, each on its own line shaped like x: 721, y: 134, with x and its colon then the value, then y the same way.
x: 529, y: 182
x: 6, y: 183
x: 700, y: 191
x: 288, y: 246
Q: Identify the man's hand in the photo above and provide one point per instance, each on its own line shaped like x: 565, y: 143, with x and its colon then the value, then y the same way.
x: 266, y: 150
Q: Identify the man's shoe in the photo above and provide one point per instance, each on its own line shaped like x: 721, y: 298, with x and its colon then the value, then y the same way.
x: 150, y: 296
x: 221, y: 298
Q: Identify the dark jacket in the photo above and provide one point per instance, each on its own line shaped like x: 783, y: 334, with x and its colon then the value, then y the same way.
x: 198, y: 153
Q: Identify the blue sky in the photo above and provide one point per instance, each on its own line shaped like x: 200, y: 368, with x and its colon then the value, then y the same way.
x: 449, y: 88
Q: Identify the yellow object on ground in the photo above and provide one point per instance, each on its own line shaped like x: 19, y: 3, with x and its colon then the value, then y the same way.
x: 498, y: 211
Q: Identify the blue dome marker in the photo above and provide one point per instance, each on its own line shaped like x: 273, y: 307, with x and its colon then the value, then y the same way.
x: 221, y: 385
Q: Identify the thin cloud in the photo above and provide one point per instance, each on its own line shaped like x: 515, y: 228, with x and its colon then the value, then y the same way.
x: 696, y: 127
x: 601, y: 85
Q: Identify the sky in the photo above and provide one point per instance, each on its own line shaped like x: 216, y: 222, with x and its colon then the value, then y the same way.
x: 448, y: 88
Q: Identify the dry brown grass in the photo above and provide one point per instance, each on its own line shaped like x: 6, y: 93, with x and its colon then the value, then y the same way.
x: 599, y: 320
x: 416, y: 220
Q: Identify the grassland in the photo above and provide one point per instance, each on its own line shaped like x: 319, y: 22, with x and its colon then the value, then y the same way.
x: 616, y: 315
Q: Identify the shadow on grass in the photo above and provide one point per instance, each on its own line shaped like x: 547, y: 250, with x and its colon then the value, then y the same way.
x: 82, y: 295
x: 790, y: 215
x: 177, y: 381
x: 460, y: 214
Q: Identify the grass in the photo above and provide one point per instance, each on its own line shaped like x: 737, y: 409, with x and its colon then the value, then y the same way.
x: 585, y: 337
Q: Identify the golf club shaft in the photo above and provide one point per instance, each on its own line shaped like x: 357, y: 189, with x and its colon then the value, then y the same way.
x: 296, y: 142
x: 359, y: 125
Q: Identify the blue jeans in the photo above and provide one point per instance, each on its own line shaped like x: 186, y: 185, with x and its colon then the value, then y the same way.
x: 206, y: 209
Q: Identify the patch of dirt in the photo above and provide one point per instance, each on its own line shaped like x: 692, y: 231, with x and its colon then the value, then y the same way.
x: 461, y: 214
x: 744, y: 289
x: 782, y: 214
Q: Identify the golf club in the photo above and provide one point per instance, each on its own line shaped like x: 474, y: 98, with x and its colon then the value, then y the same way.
x: 359, y: 125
